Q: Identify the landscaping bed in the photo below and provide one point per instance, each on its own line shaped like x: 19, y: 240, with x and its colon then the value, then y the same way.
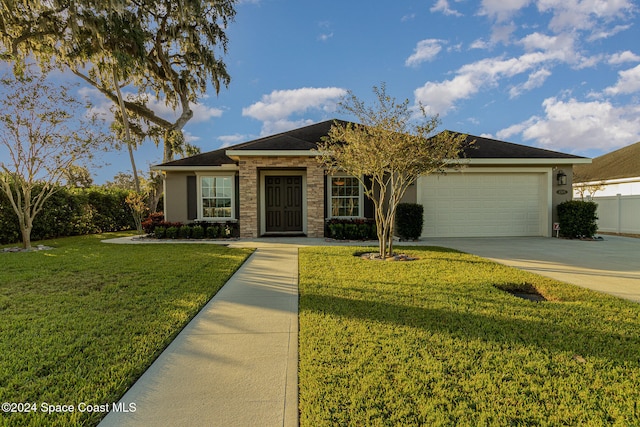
x: 441, y: 341
x: 82, y: 321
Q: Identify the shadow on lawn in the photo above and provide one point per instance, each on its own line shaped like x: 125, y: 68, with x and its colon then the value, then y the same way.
x: 543, y: 333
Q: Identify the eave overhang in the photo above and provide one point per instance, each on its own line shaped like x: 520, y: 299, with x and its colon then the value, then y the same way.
x: 518, y: 161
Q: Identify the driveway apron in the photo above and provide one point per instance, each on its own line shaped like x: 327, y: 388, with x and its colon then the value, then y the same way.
x: 235, y: 363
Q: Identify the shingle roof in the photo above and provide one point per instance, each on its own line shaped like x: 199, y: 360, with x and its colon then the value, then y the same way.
x: 622, y: 163
x: 487, y: 148
x: 308, y: 137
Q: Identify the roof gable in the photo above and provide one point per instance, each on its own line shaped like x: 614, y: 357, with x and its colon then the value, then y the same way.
x: 307, y: 138
x: 622, y: 163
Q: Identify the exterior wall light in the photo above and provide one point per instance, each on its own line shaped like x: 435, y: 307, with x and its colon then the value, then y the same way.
x: 562, y: 178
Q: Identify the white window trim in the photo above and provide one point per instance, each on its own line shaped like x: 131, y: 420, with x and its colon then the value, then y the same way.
x: 329, y: 198
x: 233, y: 198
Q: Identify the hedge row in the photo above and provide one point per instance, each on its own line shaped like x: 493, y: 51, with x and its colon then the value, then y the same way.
x: 71, y: 212
x: 351, y: 229
x: 157, y: 227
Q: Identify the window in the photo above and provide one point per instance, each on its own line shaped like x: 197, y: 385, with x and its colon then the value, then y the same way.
x: 346, y: 200
x: 216, y: 196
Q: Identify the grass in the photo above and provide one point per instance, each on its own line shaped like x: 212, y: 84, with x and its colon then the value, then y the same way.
x: 436, y: 342
x: 81, y: 322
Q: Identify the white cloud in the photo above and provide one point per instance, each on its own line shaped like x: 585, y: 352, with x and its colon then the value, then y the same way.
x: 502, y: 33
x: 278, y: 126
x: 622, y: 57
x: 535, y: 80
x: 326, y: 33
x: 426, y: 50
x: 502, y: 10
x: 480, y: 44
x: 471, y: 78
x: 438, y: 98
x: 579, y: 126
x: 583, y: 14
x: 455, y: 48
x: 443, y: 6
x: 408, y: 17
x: 275, y: 108
x: 606, y: 33
x: 628, y: 82
x: 560, y: 47
x: 237, y: 138
x: 190, y: 138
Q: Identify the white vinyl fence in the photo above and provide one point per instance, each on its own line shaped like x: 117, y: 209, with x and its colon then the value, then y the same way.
x: 618, y: 214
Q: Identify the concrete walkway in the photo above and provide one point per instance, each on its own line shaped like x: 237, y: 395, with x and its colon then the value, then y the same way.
x: 236, y: 362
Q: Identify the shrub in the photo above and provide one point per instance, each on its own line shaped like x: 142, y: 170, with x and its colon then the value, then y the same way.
x: 171, y: 232
x: 409, y: 221
x: 184, y: 231
x: 152, y: 221
x: 577, y: 218
x: 212, y: 231
x: 336, y: 231
x: 197, y: 232
x: 351, y: 229
x: 159, y: 232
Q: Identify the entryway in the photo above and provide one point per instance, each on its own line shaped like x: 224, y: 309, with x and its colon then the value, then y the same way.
x: 283, y: 204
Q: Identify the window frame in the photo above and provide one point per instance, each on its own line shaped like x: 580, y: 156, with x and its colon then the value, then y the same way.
x: 330, y: 197
x: 201, y: 216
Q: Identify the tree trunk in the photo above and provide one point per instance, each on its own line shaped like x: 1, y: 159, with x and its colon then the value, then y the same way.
x: 26, y: 236
x: 154, y: 196
x: 127, y: 132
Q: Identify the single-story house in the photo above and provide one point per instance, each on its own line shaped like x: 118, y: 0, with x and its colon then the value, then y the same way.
x: 276, y: 186
x: 613, y: 182
x: 611, y: 174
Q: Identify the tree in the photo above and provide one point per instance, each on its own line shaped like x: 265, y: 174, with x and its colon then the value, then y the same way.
x: 78, y: 177
x: 44, y: 130
x: 165, y: 48
x: 149, y: 185
x: 387, y: 151
x: 584, y: 183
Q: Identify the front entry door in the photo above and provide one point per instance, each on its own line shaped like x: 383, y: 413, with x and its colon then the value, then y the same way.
x: 283, y: 203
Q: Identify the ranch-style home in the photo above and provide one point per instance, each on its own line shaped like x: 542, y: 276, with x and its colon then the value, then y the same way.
x: 276, y: 186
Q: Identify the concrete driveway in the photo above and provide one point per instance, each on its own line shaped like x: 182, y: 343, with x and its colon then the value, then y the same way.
x: 611, y: 265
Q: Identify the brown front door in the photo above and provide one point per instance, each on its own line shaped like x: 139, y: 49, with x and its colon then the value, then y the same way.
x: 283, y: 203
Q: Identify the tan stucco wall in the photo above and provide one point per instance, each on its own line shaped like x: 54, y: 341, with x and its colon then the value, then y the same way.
x: 559, y: 198
x: 250, y: 167
x: 175, y: 196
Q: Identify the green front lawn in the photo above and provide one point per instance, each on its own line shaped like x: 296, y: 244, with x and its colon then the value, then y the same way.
x: 80, y: 323
x: 435, y: 342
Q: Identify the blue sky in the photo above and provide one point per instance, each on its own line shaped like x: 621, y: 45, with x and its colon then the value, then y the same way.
x: 557, y: 74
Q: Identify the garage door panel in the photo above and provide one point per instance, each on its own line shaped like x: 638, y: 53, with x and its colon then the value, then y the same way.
x: 483, y: 204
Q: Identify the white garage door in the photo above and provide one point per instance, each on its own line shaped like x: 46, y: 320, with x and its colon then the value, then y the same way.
x: 483, y: 204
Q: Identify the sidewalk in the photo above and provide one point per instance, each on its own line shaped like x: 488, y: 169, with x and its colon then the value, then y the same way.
x: 235, y: 363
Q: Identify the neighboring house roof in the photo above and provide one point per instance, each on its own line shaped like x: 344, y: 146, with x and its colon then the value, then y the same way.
x: 622, y: 163
x: 308, y: 137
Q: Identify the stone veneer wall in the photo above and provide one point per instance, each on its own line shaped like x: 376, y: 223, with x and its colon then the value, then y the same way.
x: 249, y: 191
